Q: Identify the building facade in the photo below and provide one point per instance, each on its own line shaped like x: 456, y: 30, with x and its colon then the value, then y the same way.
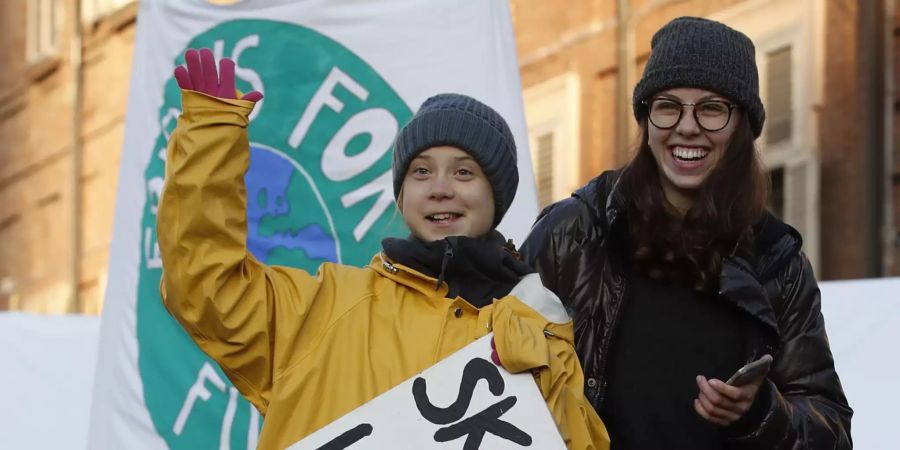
x: 63, y: 92
x: 826, y: 79
x: 827, y: 69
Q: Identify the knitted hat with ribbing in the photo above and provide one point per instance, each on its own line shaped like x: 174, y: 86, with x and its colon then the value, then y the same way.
x: 701, y: 53
x: 460, y: 121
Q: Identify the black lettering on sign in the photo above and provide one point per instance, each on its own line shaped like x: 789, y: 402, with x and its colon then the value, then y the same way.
x: 475, y: 427
x: 475, y: 370
x: 348, y: 438
x: 487, y: 421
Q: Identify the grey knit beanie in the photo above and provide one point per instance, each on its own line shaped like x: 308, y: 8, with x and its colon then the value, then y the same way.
x: 463, y: 122
x: 701, y: 53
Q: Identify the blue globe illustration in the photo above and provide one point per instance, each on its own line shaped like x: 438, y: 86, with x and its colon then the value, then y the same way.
x: 280, y: 231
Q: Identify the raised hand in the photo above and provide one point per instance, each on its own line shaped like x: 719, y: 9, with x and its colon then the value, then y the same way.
x: 201, y: 76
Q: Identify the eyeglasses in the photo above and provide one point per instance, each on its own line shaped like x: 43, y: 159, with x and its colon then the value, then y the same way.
x: 711, y: 115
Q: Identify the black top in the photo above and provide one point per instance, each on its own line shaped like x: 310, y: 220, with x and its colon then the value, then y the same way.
x: 667, y: 336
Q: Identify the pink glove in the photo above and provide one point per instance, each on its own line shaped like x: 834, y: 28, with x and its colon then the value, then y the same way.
x: 494, y: 356
x: 201, y: 76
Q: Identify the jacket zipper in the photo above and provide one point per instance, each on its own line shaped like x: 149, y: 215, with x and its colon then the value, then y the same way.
x: 448, y: 254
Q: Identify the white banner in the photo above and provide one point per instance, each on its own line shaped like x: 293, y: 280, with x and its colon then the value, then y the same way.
x: 337, y: 74
x: 447, y: 405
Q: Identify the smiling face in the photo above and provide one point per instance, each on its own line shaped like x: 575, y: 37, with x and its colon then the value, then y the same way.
x: 445, y: 193
x: 686, y: 153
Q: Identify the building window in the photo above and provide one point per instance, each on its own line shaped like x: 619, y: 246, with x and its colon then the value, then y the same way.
x: 794, y: 195
x: 778, y: 93
x: 43, y: 29
x: 789, y: 47
x: 788, y: 151
x: 553, y: 116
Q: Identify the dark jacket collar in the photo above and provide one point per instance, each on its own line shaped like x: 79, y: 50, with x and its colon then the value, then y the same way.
x: 478, y: 270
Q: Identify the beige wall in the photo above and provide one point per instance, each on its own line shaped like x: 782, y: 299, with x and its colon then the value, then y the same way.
x: 36, y: 161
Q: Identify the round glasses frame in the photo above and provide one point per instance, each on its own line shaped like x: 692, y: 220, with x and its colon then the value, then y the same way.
x: 649, y: 105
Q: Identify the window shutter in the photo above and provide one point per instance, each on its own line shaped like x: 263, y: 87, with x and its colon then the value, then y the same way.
x: 544, y: 169
x: 778, y: 95
x: 43, y: 29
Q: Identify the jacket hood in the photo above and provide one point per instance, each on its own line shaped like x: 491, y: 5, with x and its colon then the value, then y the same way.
x: 602, y: 198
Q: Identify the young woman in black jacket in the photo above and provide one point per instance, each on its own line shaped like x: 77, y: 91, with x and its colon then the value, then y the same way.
x: 677, y: 276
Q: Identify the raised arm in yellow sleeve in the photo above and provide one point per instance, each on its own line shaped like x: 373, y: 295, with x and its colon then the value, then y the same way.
x: 230, y: 303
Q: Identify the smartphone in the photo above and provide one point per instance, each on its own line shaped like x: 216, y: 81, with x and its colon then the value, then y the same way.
x: 750, y: 371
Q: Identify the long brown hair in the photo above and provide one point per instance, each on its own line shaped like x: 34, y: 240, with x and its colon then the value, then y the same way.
x: 666, y: 246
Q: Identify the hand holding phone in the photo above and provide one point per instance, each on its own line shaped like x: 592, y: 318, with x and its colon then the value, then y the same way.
x: 751, y: 371
x: 725, y: 403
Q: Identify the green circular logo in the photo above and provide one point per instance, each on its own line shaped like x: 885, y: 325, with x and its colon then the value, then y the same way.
x: 318, y: 188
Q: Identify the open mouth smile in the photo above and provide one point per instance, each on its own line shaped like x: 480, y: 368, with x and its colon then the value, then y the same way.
x: 689, y: 154
x: 443, y: 218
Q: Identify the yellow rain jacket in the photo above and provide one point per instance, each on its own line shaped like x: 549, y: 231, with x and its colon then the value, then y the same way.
x: 304, y: 349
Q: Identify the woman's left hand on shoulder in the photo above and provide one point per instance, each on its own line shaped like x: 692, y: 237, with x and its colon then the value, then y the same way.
x: 723, y: 404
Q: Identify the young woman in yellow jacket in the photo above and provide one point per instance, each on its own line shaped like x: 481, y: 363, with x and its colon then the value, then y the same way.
x: 307, y: 349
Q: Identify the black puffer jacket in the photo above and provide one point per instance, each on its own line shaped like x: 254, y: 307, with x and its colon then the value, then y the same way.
x: 767, y: 276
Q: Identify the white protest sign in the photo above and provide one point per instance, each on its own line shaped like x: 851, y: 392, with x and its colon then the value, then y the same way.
x: 448, y: 406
